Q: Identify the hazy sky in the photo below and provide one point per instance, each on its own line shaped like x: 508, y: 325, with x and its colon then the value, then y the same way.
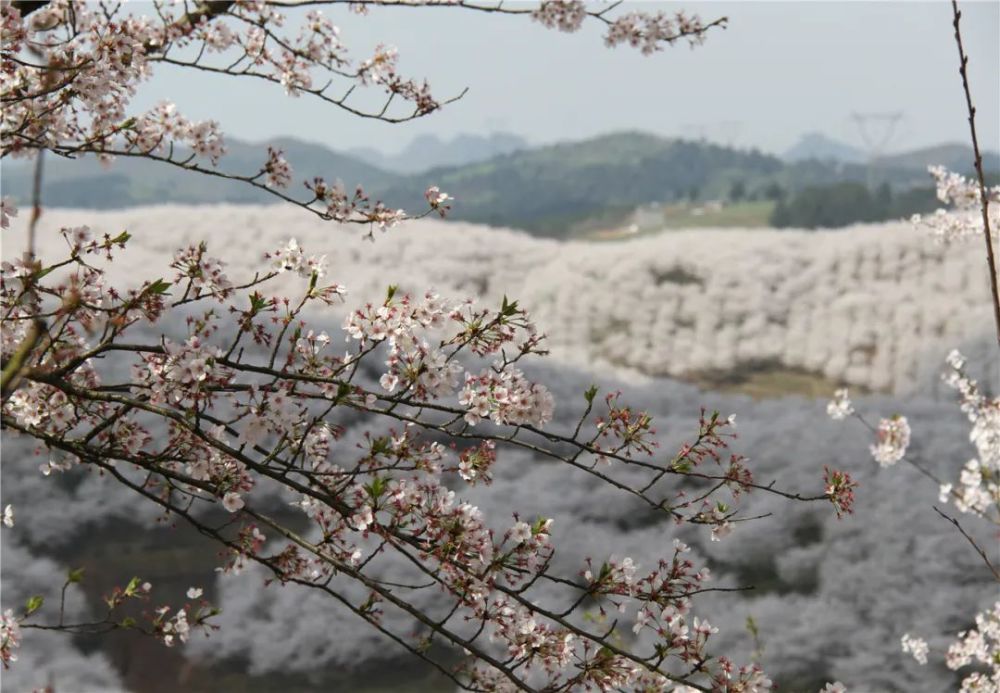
x: 780, y: 69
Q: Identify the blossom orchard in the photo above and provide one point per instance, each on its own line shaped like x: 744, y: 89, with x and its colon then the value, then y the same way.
x: 976, y: 492
x: 975, y: 213
x: 254, y: 397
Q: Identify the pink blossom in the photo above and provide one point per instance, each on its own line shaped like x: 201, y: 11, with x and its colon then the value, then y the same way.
x: 232, y: 502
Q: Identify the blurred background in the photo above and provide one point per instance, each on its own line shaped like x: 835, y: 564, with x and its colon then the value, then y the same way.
x: 722, y: 227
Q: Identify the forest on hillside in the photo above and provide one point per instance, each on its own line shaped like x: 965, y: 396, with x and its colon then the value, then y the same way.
x: 551, y: 191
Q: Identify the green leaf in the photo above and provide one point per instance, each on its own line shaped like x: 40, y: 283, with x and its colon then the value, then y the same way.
x: 33, y: 604
x: 257, y: 302
x: 590, y: 394
x: 132, y: 587
x: 508, y: 308
x: 376, y: 488
x: 158, y: 287
x: 538, y: 525
x: 122, y: 238
x: 390, y: 292
x: 380, y: 446
x: 127, y: 622
x: 75, y: 575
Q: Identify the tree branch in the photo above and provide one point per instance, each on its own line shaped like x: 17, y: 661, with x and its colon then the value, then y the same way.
x: 984, y: 199
x: 979, y: 550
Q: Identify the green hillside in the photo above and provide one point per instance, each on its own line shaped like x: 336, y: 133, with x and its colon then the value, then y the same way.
x: 130, y: 182
x: 550, y: 189
x: 568, y: 189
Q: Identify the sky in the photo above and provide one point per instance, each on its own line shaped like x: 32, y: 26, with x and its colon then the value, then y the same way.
x: 780, y: 69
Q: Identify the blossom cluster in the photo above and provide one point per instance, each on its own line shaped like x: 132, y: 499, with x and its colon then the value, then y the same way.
x: 840, y: 407
x: 291, y: 258
x: 840, y: 490
x: 203, y: 272
x: 965, y: 196
x: 892, y: 438
x: 647, y: 31
x: 182, y: 372
x: 381, y: 69
x: 978, y: 646
x: 915, y: 646
x: 978, y: 488
x: 10, y: 638
x: 277, y: 170
x: 8, y: 209
x: 564, y: 15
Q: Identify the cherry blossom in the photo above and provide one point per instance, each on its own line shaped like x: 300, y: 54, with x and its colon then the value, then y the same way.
x: 564, y: 15
x: 840, y: 406
x: 277, y: 169
x: 232, y: 502
x: 10, y: 638
x: 892, y: 439
x: 978, y: 487
x: 966, y: 220
x: 438, y: 200
x: 916, y: 647
x: 981, y: 646
x: 840, y: 490
x: 7, y: 210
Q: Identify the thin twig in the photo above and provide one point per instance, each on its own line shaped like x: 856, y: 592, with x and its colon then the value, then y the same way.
x: 983, y: 197
x: 36, y: 205
x: 952, y: 520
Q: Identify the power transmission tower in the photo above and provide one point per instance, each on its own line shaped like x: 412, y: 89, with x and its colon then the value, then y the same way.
x: 724, y: 132
x: 868, y: 124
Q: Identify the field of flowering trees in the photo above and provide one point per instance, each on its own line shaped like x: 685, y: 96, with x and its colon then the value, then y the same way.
x: 872, y: 306
x: 832, y: 596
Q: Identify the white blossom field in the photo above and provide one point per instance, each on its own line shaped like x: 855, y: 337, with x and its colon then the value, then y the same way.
x: 874, y: 307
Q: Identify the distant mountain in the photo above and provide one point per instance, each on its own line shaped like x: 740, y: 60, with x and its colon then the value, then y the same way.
x: 554, y: 190
x: 954, y: 157
x: 429, y: 151
x: 130, y: 182
x: 817, y: 146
